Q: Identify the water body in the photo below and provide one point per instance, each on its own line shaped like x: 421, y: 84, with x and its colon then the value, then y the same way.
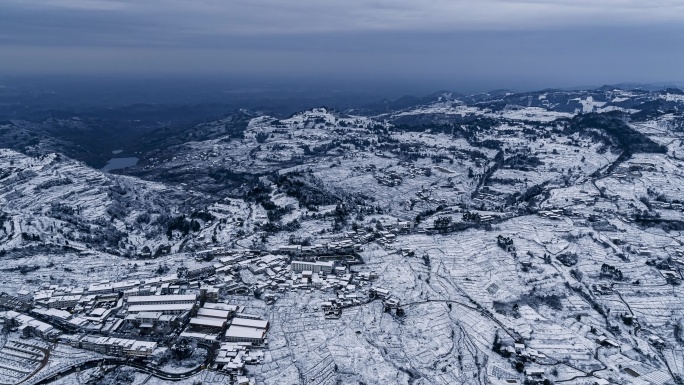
x: 119, y: 163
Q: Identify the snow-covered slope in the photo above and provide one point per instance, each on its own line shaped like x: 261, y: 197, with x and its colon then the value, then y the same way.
x: 53, y: 201
x: 519, y: 233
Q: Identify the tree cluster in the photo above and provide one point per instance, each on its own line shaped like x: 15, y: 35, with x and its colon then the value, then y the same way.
x: 611, y: 272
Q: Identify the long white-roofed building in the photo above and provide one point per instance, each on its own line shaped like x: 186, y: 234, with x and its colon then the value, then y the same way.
x: 237, y: 333
x: 161, y: 299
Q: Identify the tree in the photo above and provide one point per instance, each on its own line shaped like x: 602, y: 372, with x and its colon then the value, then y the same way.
x: 261, y: 137
x: 426, y: 260
x: 519, y: 366
x: 442, y: 222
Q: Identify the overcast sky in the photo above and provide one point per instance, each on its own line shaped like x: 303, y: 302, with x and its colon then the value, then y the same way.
x: 488, y: 43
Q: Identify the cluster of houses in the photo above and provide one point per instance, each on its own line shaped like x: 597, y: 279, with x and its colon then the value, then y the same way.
x: 425, y: 194
x: 210, y: 323
x: 667, y: 205
x: 388, y: 178
x: 412, y: 171
x: 489, y: 199
x: 275, y: 272
x: 135, y: 318
x: 126, y: 318
x: 332, y: 308
x: 325, y: 276
x: 233, y: 356
x: 108, y: 308
x: 385, y: 237
x: 523, y: 351
x: 27, y: 325
x: 113, y: 346
x: 291, y: 270
x: 389, y: 301
x: 81, y: 299
x: 352, y: 243
x: 164, y: 303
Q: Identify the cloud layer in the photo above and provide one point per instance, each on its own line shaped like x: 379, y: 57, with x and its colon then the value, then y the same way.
x: 176, y: 22
x: 572, y: 41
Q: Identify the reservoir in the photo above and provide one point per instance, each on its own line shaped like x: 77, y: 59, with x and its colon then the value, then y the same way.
x: 119, y: 163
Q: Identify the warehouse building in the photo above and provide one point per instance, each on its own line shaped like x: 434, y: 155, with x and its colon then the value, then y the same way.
x: 237, y: 333
x: 248, y: 322
x: 161, y: 299
x: 175, y: 309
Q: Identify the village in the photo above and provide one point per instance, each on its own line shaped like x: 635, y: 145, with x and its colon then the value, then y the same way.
x: 144, y: 321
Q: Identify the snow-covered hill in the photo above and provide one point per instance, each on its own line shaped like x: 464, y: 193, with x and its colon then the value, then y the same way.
x: 522, y: 235
x: 53, y: 201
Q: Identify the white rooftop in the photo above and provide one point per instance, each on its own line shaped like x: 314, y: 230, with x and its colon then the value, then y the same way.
x: 157, y: 298
x: 245, y: 332
x: 210, y: 322
x: 161, y: 308
x: 213, y: 313
x: 261, y: 324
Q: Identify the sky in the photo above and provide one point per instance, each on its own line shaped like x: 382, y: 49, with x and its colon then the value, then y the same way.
x: 433, y: 44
